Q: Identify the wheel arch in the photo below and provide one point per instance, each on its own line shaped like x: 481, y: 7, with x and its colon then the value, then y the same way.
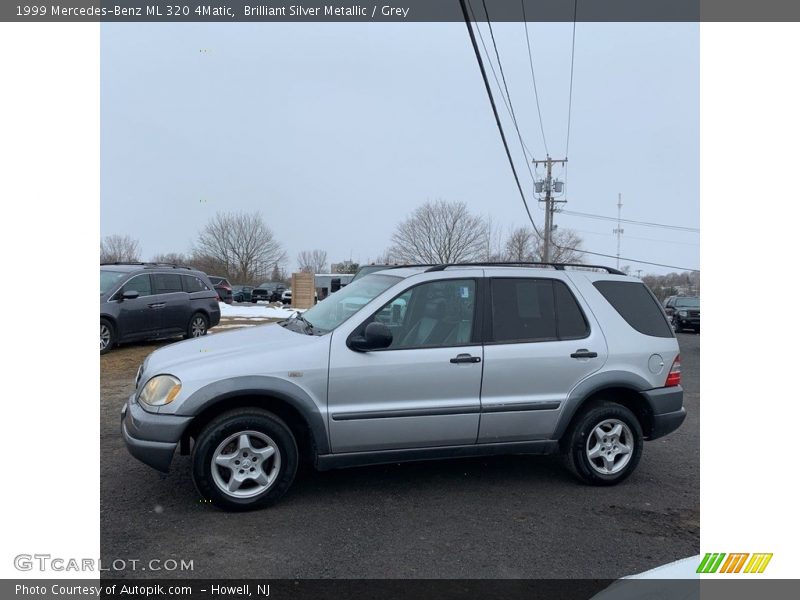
x: 292, y: 404
x: 620, y: 387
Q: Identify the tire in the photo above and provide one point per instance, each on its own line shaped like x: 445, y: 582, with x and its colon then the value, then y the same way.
x: 108, y: 336
x: 221, y: 442
x: 583, y: 438
x: 198, y: 326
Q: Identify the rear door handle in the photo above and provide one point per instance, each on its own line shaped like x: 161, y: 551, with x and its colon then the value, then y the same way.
x: 583, y: 353
x: 465, y: 358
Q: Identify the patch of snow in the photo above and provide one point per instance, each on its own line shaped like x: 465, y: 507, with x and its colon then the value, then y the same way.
x: 250, y: 312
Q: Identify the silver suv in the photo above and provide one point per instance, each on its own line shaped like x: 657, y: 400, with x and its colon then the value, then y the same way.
x: 418, y: 363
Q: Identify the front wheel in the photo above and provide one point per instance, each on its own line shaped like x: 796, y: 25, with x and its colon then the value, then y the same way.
x: 244, y: 459
x: 107, y: 336
x: 605, y: 444
x: 198, y: 326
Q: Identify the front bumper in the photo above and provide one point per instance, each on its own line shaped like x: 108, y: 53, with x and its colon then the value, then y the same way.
x: 666, y: 405
x: 688, y: 322
x: 150, y: 437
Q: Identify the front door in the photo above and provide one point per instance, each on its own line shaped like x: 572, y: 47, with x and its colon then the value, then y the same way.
x: 540, y: 344
x: 421, y: 391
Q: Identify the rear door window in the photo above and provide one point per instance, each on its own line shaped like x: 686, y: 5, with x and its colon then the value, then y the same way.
x: 166, y: 283
x: 523, y: 310
x: 634, y: 302
x: 194, y: 284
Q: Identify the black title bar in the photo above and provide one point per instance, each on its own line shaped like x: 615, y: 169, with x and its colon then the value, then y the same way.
x: 397, y: 10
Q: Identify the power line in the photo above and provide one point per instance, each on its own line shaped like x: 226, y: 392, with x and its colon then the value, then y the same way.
x: 633, y: 260
x: 571, y: 74
x: 533, y: 76
x: 506, y: 102
x: 494, y: 110
x: 629, y: 221
x: 505, y: 85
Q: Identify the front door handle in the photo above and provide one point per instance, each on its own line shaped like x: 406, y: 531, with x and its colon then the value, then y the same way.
x: 465, y: 358
x: 157, y: 305
x: 583, y: 353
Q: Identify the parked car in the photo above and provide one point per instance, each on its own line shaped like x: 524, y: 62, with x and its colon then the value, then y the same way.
x: 438, y: 362
x: 269, y: 291
x: 242, y: 293
x: 668, y: 305
x: 684, y: 312
x: 141, y: 301
x: 286, y: 296
x: 223, y: 288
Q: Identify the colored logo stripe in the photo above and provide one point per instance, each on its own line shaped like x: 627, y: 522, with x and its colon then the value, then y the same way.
x: 758, y: 563
x: 712, y: 562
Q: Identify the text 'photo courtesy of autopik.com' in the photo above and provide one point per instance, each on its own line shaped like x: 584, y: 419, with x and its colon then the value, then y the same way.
x: 397, y: 300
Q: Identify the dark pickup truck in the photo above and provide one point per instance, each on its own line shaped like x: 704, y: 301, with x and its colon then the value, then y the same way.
x: 684, y: 312
x: 268, y: 292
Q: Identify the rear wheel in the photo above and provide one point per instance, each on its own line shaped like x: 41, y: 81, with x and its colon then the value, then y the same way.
x: 107, y: 336
x: 198, y: 326
x: 244, y: 459
x: 605, y: 444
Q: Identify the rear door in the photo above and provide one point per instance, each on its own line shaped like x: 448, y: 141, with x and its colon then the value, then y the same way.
x: 540, y: 342
x: 175, y: 306
x: 138, y: 318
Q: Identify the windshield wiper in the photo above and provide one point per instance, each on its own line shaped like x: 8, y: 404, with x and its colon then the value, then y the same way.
x: 308, y: 325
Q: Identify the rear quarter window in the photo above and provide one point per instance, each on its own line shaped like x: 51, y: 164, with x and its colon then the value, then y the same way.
x: 634, y: 302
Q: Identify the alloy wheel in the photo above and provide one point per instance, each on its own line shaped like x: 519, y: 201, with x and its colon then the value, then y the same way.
x: 105, y: 336
x: 198, y: 326
x: 609, y: 447
x: 246, y: 464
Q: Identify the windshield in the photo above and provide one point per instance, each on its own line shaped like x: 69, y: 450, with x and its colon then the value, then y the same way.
x: 328, y: 314
x: 108, y: 280
x: 687, y: 302
x: 364, y: 271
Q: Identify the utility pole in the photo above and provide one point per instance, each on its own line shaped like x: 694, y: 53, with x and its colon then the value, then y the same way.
x: 619, y: 231
x: 548, y: 186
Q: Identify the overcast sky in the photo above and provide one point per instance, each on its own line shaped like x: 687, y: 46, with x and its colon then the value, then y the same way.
x: 336, y: 132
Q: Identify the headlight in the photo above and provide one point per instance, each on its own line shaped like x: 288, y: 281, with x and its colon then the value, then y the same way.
x: 682, y: 313
x: 160, y: 390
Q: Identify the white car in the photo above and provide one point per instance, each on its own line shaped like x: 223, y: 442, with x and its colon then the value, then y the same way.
x: 286, y: 296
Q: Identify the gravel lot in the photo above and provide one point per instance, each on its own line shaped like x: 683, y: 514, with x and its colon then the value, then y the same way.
x: 499, y: 517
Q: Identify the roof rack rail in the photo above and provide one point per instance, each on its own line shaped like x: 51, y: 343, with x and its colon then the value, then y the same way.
x: 556, y: 266
x: 145, y: 264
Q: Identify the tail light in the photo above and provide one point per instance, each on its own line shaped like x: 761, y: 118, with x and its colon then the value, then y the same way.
x: 674, y: 377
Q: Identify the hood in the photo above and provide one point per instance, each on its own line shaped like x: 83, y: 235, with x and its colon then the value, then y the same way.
x: 217, y: 348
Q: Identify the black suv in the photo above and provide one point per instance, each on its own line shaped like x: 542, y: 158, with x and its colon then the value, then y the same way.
x: 140, y: 301
x: 268, y: 292
x: 684, y: 312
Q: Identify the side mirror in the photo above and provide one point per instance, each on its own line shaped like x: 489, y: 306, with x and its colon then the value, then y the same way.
x: 376, y: 336
x: 130, y: 295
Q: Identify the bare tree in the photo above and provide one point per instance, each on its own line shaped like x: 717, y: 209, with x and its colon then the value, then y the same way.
x: 525, y: 245
x: 238, y: 246
x: 567, y: 247
x: 119, y: 248
x: 312, y: 261
x: 175, y: 258
x: 521, y: 245
x: 440, y: 232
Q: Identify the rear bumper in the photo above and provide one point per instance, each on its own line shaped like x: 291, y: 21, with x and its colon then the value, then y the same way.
x: 666, y: 405
x: 667, y: 423
x: 150, y: 437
